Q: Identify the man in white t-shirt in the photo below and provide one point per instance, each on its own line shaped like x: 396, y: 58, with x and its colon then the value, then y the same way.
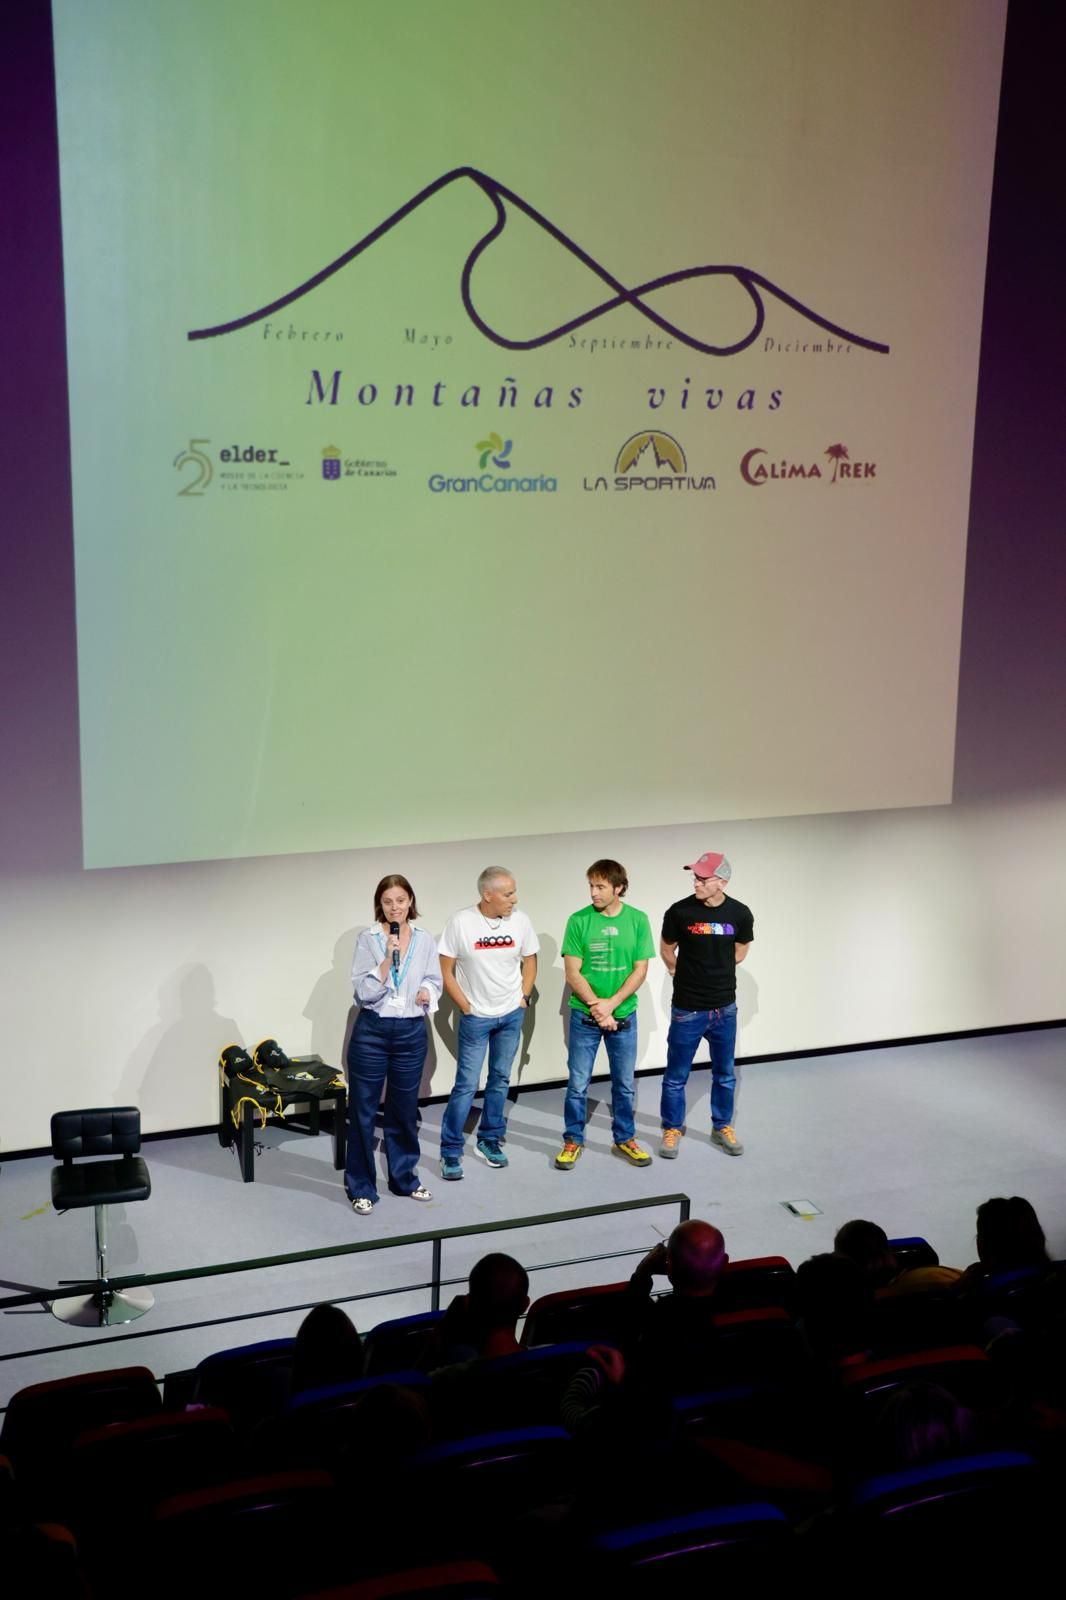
x: 488, y: 958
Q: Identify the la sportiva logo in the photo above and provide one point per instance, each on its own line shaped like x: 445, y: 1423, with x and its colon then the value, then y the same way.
x: 651, y: 460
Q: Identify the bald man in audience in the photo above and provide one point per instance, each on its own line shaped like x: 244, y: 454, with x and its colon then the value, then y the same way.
x: 678, y: 1334
x: 674, y: 1337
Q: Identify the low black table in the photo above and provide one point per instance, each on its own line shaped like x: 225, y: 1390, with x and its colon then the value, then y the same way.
x: 290, y: 1089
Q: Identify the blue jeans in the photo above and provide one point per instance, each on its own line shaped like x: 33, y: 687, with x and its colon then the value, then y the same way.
x: 380, y: 1048
x: 687, y: 1028
x: 585, y: 1036
x: 501, y: 1036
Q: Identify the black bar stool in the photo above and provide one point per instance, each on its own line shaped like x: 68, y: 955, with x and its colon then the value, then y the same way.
x: 110, y: 1131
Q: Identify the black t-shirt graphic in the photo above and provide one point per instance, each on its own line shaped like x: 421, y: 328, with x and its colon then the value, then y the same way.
x: 706, y: 938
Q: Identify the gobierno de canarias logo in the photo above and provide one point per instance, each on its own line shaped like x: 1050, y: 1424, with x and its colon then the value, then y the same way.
x: 654, y: 461
x: 496, y: 451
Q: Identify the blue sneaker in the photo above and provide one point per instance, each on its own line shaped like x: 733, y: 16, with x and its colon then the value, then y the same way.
x: 490, y: 1150
x: 451, y: 1167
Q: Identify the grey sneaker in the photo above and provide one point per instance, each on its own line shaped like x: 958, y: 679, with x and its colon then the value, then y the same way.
x: 670, y: 1148
x: 491, y: 1150
x: 451, y: 1167
x: 726, y: 1140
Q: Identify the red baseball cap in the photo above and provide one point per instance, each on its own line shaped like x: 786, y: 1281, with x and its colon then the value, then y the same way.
x: 711, y: 864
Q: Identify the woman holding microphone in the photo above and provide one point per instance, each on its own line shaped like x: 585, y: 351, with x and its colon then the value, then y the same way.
x: 397, y: 981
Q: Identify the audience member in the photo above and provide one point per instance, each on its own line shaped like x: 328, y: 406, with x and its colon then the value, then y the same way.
x: 677, y: 1333
x: 835, y: 1299
x: 328, y: 1350
x: 1009, y: 1236
x: 867, y: 1246
x: 483, y: 1322
x: 923, y: 1423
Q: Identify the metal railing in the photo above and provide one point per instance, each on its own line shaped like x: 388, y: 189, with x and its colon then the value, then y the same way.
x: 434, y: 1283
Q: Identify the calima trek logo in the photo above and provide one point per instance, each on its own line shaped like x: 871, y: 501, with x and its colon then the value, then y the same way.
x: 648, y: 451
x: 497, y: 452
x: 757, y: 469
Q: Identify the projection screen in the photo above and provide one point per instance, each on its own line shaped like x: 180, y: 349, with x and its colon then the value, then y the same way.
x: 494, y: 420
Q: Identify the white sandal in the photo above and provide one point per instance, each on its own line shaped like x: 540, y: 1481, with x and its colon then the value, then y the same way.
x: 363, y: 1206
x: 421, y: 1193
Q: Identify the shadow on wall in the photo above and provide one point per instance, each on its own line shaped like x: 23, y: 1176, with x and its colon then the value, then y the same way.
x: 184, y: 1044
x: 330, y: 1009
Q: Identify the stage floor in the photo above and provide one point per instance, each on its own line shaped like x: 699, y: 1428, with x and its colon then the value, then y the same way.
x: 913, y: 1137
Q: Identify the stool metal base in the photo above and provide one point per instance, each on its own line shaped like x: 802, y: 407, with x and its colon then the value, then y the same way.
x: 105, y: 1308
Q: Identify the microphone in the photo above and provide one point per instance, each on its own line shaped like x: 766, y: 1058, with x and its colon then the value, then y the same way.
x: 394, y: 928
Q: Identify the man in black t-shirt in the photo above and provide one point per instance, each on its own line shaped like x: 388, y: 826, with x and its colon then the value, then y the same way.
x: 704, y: 940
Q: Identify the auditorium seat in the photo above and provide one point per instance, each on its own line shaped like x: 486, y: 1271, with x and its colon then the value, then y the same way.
x: 514, y: 1391
x: 958, y: 1505
x: 905, y: 1323
x: 115, y: 1476
x: 1018, y: 1293
x: 760, y: 1281
x: 510, y: 1476
x: 319, y: 1426
x: 47, y: 1556
x: 771, y: 1413
x: 756, y: 1342
x: 913, y: 1251
x: 399, y: 1344
x: 10, y: 1503
x: 506, y: 1471
x: 600, y: 1314
x: 444, y: 1580
x: 245, y: 1381
x: 963, y: 1370
x: 282, y: 1531
x: 750, y: 1539
x: 44, y: 1419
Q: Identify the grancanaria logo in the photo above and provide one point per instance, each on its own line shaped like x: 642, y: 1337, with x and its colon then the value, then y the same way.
x: 494, y: 449
x: 651, y: 460
x: 498, y: 451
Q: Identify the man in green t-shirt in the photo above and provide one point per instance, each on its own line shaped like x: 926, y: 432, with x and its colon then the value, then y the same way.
x: 606, y: 949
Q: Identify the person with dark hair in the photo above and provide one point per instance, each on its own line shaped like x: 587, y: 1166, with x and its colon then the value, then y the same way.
x: 704, y: 939
x: 606, y: 949
x: 397, y: 980
x: 1009, y: 1235
x: 921, y: 1423
x: 481, y: 1323
x: 865, y: 1244
x: 328, y: 1349
x: 835, y: 1300
x: 488, y: 956
x: 1009, y: 1240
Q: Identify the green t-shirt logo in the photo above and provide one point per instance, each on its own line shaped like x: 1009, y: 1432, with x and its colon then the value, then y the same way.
x: 609, y: 948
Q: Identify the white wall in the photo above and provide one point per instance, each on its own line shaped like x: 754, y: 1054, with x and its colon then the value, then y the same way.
x: 122, y: 986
